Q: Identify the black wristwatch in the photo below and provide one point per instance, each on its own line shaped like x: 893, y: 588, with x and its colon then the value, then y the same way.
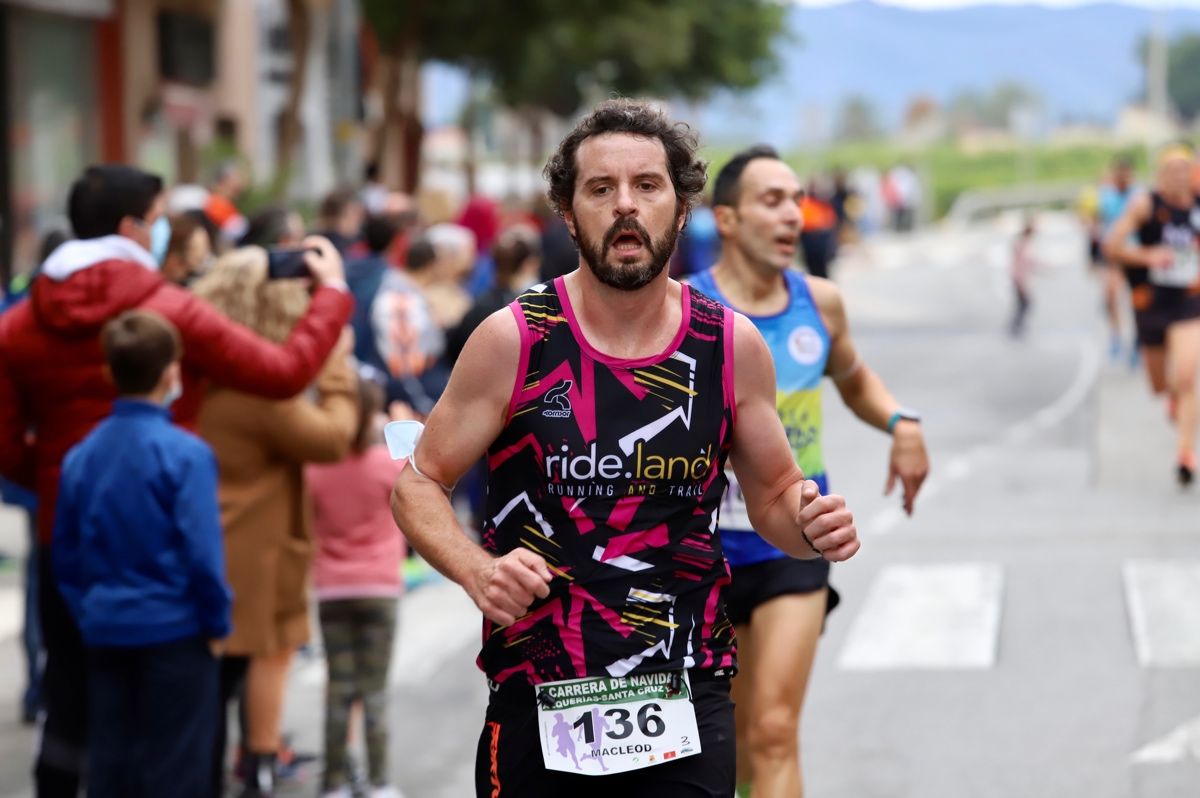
x: 903, y: 414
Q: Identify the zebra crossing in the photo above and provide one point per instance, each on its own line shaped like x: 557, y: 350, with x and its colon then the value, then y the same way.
x: 930, y: 616
x: 948, y: 616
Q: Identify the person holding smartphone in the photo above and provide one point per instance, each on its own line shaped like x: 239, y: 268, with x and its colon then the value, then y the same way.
x: 262, y: 446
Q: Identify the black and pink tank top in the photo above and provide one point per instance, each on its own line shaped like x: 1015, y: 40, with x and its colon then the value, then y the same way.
x: 613, y: 470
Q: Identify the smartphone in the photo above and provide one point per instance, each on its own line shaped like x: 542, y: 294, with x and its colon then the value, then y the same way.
x: 286, y: 264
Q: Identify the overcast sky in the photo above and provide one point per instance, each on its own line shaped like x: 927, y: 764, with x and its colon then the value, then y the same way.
x: 932, y: 4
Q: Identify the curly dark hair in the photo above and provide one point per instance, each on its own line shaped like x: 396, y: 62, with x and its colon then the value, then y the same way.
x: 688, y: 173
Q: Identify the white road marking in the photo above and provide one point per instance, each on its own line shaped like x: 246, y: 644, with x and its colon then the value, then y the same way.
x: 1182, y: 742
x: 1162, y: 597
x: 929, y: 617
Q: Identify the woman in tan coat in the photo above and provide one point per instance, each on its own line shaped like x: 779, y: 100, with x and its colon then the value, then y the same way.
x: 261, y: 448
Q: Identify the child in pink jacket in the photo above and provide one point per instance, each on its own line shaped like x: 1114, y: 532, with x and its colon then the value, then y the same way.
x: 357, y: 579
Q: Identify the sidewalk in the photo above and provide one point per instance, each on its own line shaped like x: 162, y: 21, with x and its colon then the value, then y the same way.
x: 16, y: 740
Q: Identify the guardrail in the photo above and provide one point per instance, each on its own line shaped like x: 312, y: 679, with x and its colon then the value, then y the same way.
x: 974, y: 202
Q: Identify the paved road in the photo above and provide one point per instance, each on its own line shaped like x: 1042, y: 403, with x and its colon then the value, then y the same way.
x: 1033, y: 631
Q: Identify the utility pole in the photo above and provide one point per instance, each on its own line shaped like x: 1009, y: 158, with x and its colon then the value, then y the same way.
x: 1158, y: 102
x: 1156, y: 67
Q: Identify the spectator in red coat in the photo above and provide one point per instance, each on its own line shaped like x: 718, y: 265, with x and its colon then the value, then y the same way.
x: 53, y: 388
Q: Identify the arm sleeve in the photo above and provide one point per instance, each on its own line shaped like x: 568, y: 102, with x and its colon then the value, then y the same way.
x: 198, y: 518
x: 235, y: 356
x: 65, y: 549
x: 16, y: 453
x: 321, y: 431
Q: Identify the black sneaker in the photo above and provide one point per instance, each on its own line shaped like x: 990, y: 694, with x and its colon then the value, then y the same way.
x: 1187, y: 469
x: 259, y: 776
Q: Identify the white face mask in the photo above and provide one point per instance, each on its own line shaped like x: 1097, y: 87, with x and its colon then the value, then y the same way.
x: 173, y: 393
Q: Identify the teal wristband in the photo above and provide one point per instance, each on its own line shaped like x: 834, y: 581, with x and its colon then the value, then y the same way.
x: 902, y: 415
x: 892, y: 421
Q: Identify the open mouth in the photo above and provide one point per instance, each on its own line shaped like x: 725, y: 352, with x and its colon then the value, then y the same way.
x: 627, y: 242
x: 786, y: 242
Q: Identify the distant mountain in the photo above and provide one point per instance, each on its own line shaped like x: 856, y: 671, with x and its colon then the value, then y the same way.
x: 1081, y: 60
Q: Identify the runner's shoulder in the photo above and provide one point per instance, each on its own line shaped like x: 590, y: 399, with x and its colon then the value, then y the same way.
x: 828, y: 299
x: 752, y: 363
x: 823, y: 290
x: 495, y: 344
x: 1141, y: 203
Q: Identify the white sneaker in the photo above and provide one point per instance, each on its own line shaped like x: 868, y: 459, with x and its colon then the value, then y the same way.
x: 341, y: 792
x: 385, y: 791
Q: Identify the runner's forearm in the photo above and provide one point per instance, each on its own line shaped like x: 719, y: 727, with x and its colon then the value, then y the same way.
x: 775, y: 521
x: 423, y: 512
x: 1128, y: 257
x: 868, y: 398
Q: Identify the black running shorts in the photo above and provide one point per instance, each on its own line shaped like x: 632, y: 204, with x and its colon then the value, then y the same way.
x: 1149, y: 320
x: 759, y: 583
x: 508, y: 762
x: 1171, y: 305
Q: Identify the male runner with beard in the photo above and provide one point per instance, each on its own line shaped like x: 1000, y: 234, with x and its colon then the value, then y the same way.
x: 607, y: 403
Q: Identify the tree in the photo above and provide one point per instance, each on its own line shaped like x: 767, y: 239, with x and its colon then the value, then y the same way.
x: 289, y: 130
x: 548, y: 56
x: 1183, y: 75
x: 857, y: 120
x: 465, y: 33
x: 663, y: 49
x: 397, y: 28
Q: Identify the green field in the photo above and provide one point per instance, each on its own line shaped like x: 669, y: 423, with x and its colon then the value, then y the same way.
x: 947, y: 171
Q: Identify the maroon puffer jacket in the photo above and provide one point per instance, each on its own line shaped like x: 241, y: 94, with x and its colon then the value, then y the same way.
x: 51, y: 364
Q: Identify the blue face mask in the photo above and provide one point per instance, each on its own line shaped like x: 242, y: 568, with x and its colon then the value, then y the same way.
x: 160, y: 237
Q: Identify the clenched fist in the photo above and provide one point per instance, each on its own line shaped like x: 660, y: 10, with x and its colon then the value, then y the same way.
x: 504, y: 587
x: 827, y: 524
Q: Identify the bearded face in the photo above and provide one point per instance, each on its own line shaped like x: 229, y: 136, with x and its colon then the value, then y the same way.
x: 628, y: 257
x: 624, y: 214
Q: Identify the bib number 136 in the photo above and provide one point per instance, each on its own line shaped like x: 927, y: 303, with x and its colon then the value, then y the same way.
x: 649, y: 723
x: 600, y: 726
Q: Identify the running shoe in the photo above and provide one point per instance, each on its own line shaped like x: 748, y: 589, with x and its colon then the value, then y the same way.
x: 291, y: 764
x: 1115, y: 348
x: 1187, y: 468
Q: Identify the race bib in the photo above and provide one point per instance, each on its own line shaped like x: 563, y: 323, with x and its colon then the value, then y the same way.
x: 599, y: 726
x: 1183, y: 272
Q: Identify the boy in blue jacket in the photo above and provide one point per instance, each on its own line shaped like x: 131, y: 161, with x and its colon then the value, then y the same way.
x: 139, y: 560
